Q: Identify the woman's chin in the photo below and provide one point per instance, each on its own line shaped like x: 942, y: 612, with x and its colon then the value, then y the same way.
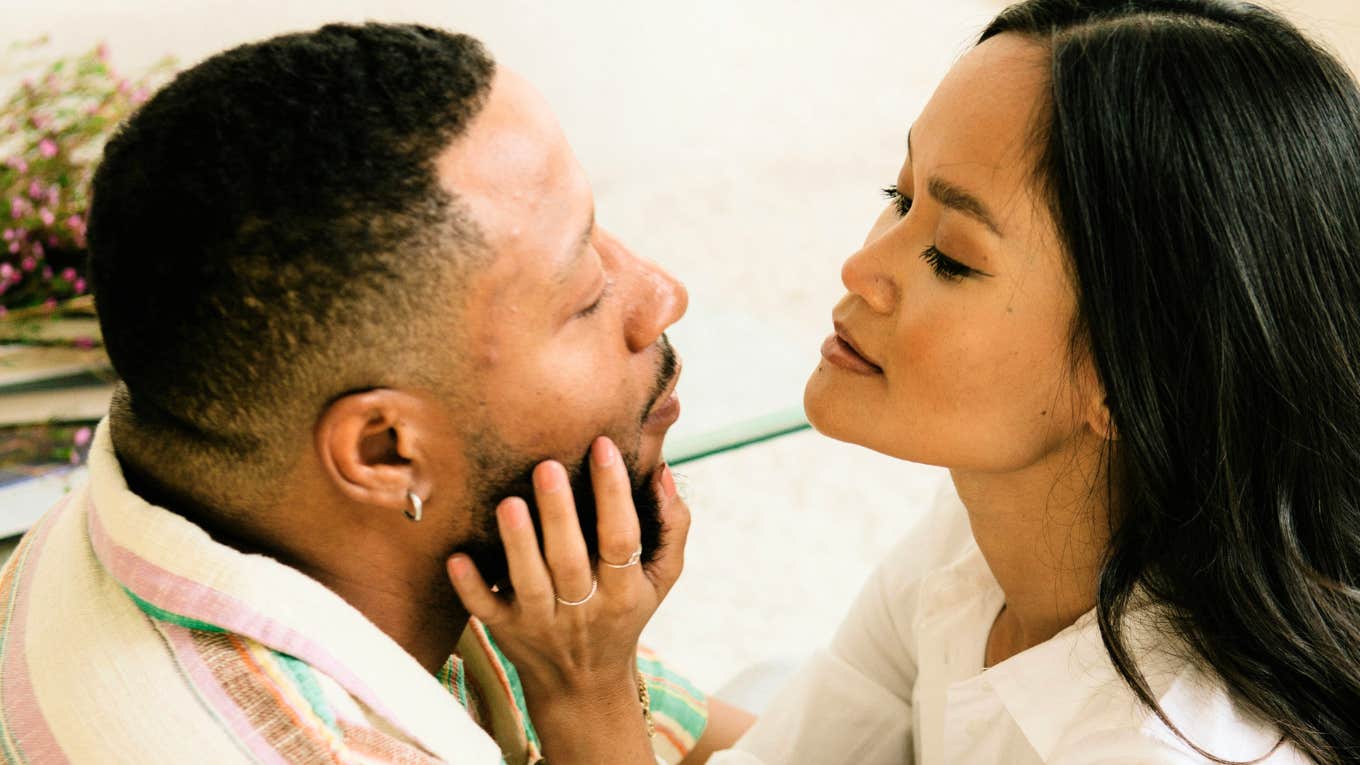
x: 830, y: 412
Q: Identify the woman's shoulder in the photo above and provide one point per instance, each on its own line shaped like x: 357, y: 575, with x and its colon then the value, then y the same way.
x: 1116, y: 727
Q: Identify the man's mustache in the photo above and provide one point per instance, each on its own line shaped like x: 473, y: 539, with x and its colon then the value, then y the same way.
x: 665, y: 373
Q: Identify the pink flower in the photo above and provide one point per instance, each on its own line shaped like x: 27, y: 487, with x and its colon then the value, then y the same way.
x: 82, y: 437
x: 28, y: 263
x: 75, y: 223
x: 47, y: 272
x: 50, y: 304
x: 69, y: 274
x: 75, y: 457
x: 17, y: 163
x: 9, y: 235
x: 53, y: 194
x: 14, y: 248
x: 17, y: 207
x: 3, y: 310
x: 80, y: 286
x: 6, y: 270
x: 47, y: 216
x: 37, y: 249
x: 35, y: 191
x: 139, y: 95
x: 47, y: 147
x: 16, y: 277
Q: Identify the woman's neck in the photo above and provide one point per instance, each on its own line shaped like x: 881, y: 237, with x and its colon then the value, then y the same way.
x: 1043, y: 531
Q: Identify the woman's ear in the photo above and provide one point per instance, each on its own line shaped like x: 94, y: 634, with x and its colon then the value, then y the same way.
x: 371, y: 446
x: 1100, y: 421
x: 1097, y: 404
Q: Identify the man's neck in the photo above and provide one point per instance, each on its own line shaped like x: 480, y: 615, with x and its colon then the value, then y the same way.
x: 406, y: 596
x: 1043, y: 531
x: 425, y: 619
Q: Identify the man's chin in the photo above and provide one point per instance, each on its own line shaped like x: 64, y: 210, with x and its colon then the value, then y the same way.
x: 489, y: 555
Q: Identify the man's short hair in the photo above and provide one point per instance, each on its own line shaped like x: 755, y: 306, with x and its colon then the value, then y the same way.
x: 268, y: 231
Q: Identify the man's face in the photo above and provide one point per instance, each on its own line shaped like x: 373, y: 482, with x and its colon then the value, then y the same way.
x: 564, y: 326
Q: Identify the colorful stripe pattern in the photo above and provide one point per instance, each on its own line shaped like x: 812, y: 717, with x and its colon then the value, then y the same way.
x: 679, y: 710
x: 25, y: 736
x: 128, y: 635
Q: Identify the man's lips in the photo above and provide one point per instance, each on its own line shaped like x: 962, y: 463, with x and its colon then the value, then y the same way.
x: 840, y: 349
x: 666, y: 409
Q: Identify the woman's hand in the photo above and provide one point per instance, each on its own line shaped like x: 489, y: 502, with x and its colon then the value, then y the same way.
x: 578, y: 662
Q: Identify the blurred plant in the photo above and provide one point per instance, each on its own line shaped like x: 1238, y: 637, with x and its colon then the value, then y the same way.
x: 28, y: 448
x: 52, y: 129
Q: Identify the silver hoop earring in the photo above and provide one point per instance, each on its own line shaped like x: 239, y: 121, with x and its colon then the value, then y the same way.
x: 417, y: 506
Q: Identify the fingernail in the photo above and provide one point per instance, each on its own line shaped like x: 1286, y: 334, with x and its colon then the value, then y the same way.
x: 513, y: 513
x: 667, y: 481
x: 550, y: 476
x: 604, y: 452
x: 458, y: 564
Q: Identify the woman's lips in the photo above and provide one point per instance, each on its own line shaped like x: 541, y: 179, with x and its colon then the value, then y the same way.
x: 841, y: 353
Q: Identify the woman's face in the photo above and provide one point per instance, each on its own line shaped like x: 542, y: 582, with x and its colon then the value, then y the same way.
x: 952, y: 344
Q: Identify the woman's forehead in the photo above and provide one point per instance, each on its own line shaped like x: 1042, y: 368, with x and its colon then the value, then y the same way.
x: 975, y: 134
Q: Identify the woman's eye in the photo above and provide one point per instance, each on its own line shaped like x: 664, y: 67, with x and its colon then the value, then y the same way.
x: 903, y: 203
x: 944, y: 266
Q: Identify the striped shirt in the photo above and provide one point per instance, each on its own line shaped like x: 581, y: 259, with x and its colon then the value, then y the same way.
x: 128, y: 635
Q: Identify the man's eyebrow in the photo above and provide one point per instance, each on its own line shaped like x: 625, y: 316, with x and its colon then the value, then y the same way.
x: 955, y: 198
x: 579, y: 250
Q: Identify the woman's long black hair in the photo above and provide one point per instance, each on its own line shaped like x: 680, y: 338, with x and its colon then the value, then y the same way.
x: 1202, y: 161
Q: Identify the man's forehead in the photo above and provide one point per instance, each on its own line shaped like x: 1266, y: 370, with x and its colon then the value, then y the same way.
x: 513, y: 154
x: 515, y: 174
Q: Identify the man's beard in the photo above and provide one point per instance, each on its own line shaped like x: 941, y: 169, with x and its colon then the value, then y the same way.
x: 498, y: 474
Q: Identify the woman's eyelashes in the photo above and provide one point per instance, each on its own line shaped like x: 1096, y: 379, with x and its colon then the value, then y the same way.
x: 903, y: 203
x: 944, y: 266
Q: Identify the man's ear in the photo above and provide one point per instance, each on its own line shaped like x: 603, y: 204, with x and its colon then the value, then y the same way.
x: 372, y: 445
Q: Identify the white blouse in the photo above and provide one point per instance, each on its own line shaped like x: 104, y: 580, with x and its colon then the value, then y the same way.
x: 903, y: 682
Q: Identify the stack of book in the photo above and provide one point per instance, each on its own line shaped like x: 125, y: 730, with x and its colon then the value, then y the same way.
x: 55, y: 383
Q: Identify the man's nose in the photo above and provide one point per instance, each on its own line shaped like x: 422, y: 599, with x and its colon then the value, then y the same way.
x: 654, y: 299
x: 660, y: 302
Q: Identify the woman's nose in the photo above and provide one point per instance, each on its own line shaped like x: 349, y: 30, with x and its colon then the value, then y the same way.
x: 863, y: 275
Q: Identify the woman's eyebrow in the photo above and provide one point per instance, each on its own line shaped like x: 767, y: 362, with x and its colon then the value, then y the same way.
x: 956, y: 198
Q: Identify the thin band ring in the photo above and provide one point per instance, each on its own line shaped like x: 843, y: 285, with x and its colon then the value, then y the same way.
x: 594, y: 585
x: 633, y: 560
